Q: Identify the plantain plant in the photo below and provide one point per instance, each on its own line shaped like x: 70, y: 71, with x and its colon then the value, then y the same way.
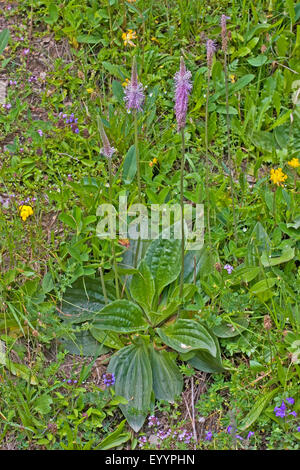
x: 146, y: 330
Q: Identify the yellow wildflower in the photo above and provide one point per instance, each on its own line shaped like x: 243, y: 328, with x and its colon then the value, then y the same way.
x: 90, y: 90
x: 232, y: 78
x: 294, y: 163
x: 154, y: 39
x: 277, y: 176
x: 131, y: 1
x: 25, y: 212
x: 153, y: 162
x: 124, y: 84
x: 127, y: 37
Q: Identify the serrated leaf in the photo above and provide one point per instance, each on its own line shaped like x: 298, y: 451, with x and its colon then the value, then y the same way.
x: 121, y: 316
x: 187, y: 335
x: 167, y: 379
x: 133, y: 381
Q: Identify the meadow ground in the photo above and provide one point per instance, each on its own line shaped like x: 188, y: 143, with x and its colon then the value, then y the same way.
x: 145, y: 344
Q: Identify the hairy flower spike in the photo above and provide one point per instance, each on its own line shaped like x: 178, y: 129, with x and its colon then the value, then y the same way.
x: 107, y: 150
x: 182, y: 92
x: 224, y: 36
x: 134, y: 95
x: 210, y: 50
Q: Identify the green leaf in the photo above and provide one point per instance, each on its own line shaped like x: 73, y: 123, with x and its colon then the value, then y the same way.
x: 118, y: 90
x: 204, y: 361
x: 53, y: 14
x: 257, y: 409
x: 258, y: 61
x: 263, y: 285
x: 83, y: 299
x: 121, y: 316
x: 43, y: 404
x: 142, y: 286
x: 110, y: 339
x: 83, y: 345
x: 4, y: 37
x: 230, y: 330
x: 133, y: 381
x: 268, y: 260
x: 19, y: 370
x: 164, y: 260
x: 47, y: 283
x: 129, y: 166
x: 68, y: 220
x: 167, y: 379
x: 115, y: 439
x: 187, y: 335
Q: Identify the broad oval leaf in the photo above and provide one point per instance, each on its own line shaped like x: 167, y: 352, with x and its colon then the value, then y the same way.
x: 204, y: 361
x: 142, y: 286
x: 188, y: 335
x: 167, y: 379
x: 164, y: 260
x: 121, y: 316
x: 133, y: 381
x: 83, y: 299
x: 83, y: 345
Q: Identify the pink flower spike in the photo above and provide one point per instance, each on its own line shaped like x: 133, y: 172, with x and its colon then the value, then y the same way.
x: 182, y: 92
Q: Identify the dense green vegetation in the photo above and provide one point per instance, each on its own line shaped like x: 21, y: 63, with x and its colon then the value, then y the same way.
x: 125, y: 343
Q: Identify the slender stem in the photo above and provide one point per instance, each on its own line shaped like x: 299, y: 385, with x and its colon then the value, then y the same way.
x: 228, y: 147
x: 103, y: 285
x: 182, y: 212
x: 206, y: 158
x: 138, y: 175
x: 112, y: 245
x: 137, y: 156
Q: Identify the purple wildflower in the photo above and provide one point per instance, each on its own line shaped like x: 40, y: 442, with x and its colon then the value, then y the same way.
x: 238, y: 437
x: 224, y: 32
x: 250, y: 434
x: 228, y: 268
x: 298, y: 429
x: 107, y: 150
x: 26, y: 51
x: 40, y: 132
x: 208, y: 436
x: 109, y: 379
x: 182, y: 92
x: 290, y: 400
x: 293, y: 413
x: 229, y: 429
x: 7, y: 106
x: 142, y: 440
x: 12, y: 82
x: 153, y: 421
x: 280, y: 410
x: 210, y: 50
x: 134, y: 95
